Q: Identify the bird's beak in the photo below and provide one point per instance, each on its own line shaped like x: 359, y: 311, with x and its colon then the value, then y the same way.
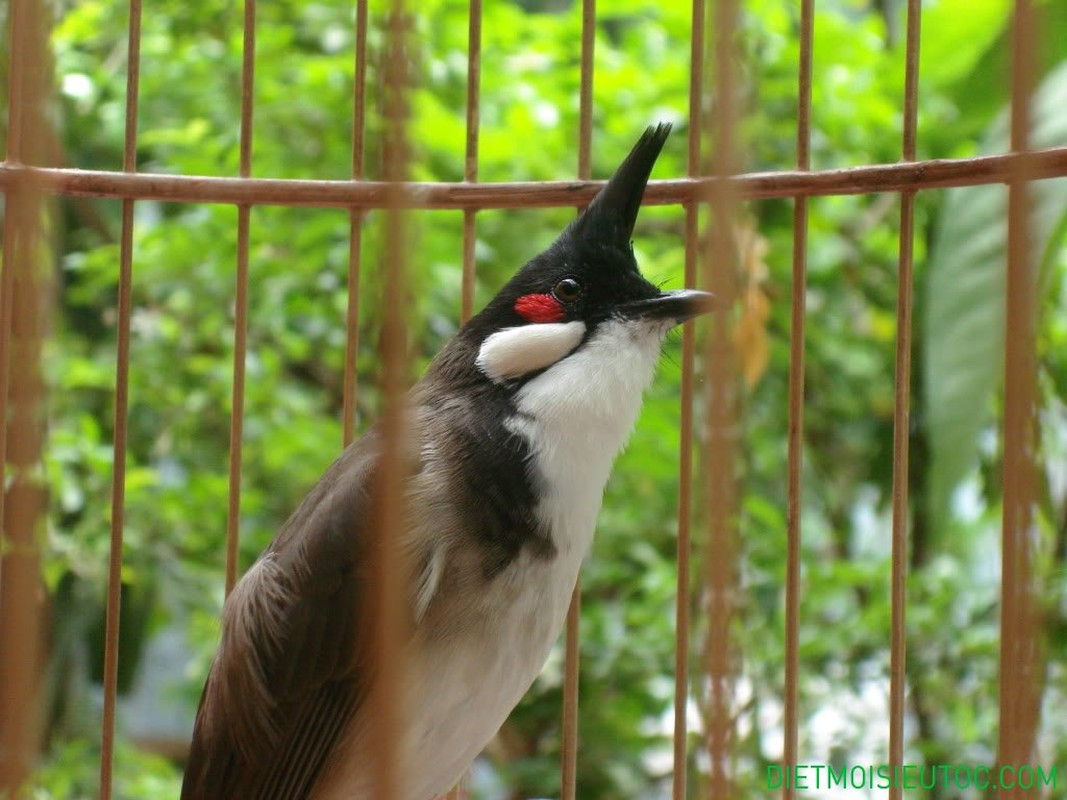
x: 679, y: 306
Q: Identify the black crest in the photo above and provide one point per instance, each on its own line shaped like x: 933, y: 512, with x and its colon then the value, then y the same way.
x: 610, y: 218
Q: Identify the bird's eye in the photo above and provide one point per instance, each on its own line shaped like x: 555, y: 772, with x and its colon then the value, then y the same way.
x: 567, y: 290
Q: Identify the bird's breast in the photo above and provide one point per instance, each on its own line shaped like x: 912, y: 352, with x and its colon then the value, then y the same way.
x: 575, y: 417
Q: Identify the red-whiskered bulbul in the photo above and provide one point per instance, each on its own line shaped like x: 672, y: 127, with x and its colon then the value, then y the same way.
x: 512, y: 435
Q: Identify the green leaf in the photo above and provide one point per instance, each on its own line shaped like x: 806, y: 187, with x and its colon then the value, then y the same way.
x: 964, y: 342
x: 965, y: 29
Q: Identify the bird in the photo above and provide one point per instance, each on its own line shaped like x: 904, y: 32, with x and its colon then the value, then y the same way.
x: 511, y: 436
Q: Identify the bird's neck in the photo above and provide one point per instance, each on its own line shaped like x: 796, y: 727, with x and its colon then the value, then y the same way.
x: 576, y: 417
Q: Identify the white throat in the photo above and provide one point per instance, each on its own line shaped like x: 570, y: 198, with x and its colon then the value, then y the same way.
x: 578, y: 415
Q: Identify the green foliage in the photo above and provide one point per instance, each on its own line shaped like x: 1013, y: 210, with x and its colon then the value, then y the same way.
x: 964, y: 342
x: 182, y: 361
x: 72, y: 772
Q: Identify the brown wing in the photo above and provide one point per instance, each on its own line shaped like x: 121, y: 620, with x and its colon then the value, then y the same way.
x: 289, y: 675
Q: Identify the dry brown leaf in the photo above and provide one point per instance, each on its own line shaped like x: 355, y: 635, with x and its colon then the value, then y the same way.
x: 750, y: 337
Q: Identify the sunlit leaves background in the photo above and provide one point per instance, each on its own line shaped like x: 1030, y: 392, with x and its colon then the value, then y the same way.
x: 182, y: 360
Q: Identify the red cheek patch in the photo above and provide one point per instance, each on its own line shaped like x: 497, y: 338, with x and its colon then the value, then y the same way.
x: 539, y: 308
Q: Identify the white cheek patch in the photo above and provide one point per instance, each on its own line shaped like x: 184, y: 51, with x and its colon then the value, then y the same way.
x: 514, y: 352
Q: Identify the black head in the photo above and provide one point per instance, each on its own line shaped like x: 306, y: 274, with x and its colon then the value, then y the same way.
x: 558, y: 300
x: 589, y: 273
